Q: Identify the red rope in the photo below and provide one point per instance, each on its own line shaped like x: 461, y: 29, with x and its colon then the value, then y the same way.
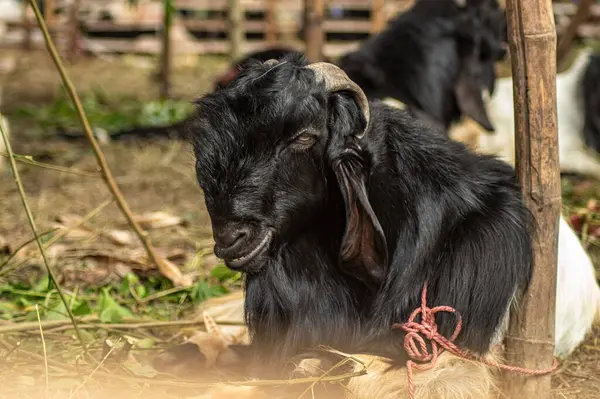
x: 416, y: 347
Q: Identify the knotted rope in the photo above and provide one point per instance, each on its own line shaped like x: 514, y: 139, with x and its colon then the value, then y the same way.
x: 416, y: 347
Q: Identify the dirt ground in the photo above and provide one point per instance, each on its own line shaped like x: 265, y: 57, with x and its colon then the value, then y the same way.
x: 153, y: 177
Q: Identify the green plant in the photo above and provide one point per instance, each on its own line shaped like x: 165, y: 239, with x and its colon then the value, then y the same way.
x: 103, y: 112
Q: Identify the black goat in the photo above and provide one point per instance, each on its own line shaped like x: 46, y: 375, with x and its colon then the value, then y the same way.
x: 591, y: 99
x: 339, y: 211
x: 437, y: 58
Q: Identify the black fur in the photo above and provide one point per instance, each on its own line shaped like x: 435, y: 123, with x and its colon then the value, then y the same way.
x: 275, y: 53
x: 448, y: 216
x: 591, y: 100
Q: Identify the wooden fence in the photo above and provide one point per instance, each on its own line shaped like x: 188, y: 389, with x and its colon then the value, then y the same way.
x: 564, y: 11
x: 201, y: 26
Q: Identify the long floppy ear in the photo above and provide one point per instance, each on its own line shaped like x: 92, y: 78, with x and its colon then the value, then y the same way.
x: 468, y: 87
x: 469, y: 94
x: 224, y: 79
x: 364, y: 249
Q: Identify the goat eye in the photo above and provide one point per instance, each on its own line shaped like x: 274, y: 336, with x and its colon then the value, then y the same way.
x: 304, y: 141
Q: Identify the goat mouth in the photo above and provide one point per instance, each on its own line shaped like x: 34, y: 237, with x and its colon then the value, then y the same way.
x: 261, y: 247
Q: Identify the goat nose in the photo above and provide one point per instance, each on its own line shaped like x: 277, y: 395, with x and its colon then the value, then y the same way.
x: 229, y: 235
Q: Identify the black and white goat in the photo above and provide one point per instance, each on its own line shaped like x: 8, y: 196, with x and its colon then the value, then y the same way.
x: 576, y: 96
x: 591, y: 101
x: 578, y: 293
x: 339, y: 211
x: 437, y: 59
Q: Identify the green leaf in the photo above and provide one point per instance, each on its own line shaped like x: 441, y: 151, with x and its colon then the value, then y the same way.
x: 57, y: 312
x: 23, y: 301
x: 82, y: 309
x: 145, y: 343
x: 222, y: 272
x: 109, y: 310
x: 203, y: 290
x: 132, y: 281
x: 7, y: 310
x: 141, y: 291
x: 42, y: 285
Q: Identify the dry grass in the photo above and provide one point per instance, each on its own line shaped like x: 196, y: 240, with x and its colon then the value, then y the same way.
x: 153, y: 177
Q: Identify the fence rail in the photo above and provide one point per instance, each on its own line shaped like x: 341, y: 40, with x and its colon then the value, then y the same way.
x: 201, y: 26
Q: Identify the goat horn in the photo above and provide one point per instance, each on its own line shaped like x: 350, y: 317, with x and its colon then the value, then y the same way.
x: 335, y: 79
x: 270, y: 62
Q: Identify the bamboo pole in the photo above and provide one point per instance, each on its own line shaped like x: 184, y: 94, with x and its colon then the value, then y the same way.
x: 271, y: 34
x: 314, y: 11
x: 377, y: 16
x: 532, y: 40
x: 583, y: 12
x: 235, y: 18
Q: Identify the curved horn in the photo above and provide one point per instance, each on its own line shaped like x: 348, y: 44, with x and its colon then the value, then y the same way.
x: 335, y: 79
x: 270, y: 62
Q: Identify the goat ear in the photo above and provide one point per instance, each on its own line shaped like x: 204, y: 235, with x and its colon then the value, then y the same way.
x: 469, y: 94
x: 223, y: 80
x: 364, y: 250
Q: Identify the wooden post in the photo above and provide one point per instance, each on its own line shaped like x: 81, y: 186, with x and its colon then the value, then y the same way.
x: 166, y: 53
x: 583, y: 12
x: 377, y: 16
x: 235, y: 17
x: 314, y: 11
x: 73, y: 42
x: 532, y: 41
x: 27, y: 27
x: 49, y: 10
x: 271, y: 34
